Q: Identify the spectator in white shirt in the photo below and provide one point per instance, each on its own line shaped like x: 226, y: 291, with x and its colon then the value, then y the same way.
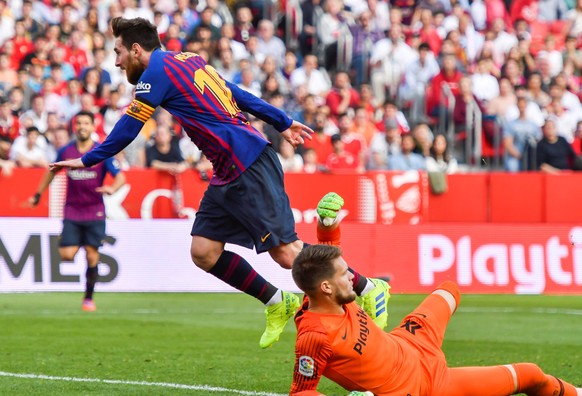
x: 26, y: 152
x: 553, y: 56
x: 503, y: 41
x: 37, y: 115
x: 417, y: 77
x: 269, y: 44
x: 389, y: 60
x: 485, y: 86
x: 533, y: 112
x: 309, y: 75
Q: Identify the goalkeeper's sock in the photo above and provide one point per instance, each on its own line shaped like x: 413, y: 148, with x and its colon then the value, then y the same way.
x: 532, y: 381
x: 91, y: 275
x: 237, y: 272
x: 360, y: 283
x: 277, y: 298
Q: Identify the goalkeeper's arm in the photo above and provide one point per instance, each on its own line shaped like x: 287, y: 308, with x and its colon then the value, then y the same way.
x: 328, y: 226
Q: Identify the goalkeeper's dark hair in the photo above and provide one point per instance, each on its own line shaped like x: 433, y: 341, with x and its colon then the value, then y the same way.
x: 313, y: 265
x: 136, y: 30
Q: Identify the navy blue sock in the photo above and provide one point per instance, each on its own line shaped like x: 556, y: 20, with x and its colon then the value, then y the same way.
x: 237, y: 272
x: 91, y: 274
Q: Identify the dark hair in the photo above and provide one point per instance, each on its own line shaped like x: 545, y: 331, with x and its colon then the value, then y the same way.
x: 136, y: 30
x: 336, y: 138
x: 446, y: 155
x: 32, y: 128
x: 86, y: 113
x: 424, y: 46
x: 313, y: 265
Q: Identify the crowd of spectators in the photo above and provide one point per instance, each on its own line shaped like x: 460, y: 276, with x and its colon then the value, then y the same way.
x: 398, y: 84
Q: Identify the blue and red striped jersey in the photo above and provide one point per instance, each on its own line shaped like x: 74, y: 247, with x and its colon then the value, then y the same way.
x: 82, y: 202
x: 207, y: 107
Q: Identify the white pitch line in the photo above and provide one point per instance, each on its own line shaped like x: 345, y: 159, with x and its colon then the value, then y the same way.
x: 205, y: 388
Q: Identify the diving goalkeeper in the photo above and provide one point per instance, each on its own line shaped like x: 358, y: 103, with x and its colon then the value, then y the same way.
x: 338, y: 340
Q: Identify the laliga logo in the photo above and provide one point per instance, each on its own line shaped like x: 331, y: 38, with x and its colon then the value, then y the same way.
x: 143, y: 87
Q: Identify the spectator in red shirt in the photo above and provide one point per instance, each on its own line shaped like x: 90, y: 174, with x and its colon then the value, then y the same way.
x: 577, y: 142
x: 340, y: 159
x: 448, y: 77
x: 342, y: 96
x: 353, y: 142
x: 427, y: 32
x: 21, y: 44
x: 77, y: 55
x: 320, y: 142
x: 9, y: 128
x: 524, y: 9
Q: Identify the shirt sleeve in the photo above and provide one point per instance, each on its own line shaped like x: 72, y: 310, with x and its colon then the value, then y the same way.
x: 150, y: 92
x: 60, y: 154
x: 123, y: 133
x: 259, y: 108
x: 112, y: 166
x: 312, y: 351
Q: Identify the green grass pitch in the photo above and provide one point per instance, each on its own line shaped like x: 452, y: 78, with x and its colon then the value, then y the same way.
x: 207, y: 344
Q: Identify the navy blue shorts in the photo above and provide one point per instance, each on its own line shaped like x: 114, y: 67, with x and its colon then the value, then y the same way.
x: 252, y: 210
x: 82, y: 233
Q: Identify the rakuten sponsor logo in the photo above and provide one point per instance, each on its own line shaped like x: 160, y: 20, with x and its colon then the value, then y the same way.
x: 528, y: 266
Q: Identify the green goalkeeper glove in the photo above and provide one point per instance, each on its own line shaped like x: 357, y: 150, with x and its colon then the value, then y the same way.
x: 329, y: 207
x: 357, y: 393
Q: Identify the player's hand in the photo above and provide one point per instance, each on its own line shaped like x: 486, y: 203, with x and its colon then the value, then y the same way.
x: 34, y: 200
x: 73, y: 164
x: 297, y: 133
x: 329, y: 207
x: 105, y: 190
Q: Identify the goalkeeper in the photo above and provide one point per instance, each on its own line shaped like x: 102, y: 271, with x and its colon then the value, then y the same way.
x: 338, y: 340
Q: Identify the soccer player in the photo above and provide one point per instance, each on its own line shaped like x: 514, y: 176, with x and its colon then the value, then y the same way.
x: 337, y: 339
x: 84, y: 213
x: 245, y: 203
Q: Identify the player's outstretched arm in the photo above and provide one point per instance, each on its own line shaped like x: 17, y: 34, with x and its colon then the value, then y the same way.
x: 73, y: 164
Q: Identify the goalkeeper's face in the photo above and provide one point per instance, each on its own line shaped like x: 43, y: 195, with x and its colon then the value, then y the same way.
x: 342, y: 280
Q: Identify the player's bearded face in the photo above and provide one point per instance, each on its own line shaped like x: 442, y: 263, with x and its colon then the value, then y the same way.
x: 83, y: 128
x: 134, y: 70
x: 345, y: 297
x: 126, y: 59
x: 344, y: 292
x: 83, y: 134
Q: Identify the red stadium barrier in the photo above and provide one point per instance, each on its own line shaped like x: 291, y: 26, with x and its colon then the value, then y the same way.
x: 374, y: 197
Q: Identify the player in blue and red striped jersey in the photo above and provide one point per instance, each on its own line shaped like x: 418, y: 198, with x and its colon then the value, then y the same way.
x: 84, y: 212
x: 246, y: 203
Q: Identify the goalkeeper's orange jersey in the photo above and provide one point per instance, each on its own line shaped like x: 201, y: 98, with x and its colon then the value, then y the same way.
x: 352, y: 351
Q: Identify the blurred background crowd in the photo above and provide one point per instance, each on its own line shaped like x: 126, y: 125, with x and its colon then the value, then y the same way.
x: 445, y: 85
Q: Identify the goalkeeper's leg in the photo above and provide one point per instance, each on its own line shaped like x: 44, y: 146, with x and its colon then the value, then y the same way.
x: 506, y: 380
x: 373, y: 294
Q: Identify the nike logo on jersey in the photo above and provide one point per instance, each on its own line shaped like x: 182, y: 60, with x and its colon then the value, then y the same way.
x: 345, y: 335
x: 263, y: 239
